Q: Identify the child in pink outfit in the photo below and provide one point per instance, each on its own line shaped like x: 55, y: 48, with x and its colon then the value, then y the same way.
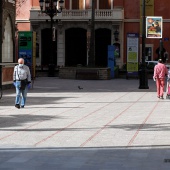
x: 160, y: 71
x: 168, y: 83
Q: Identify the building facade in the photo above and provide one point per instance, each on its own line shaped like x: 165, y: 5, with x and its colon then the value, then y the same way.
x: 72, y: 28
x: 8, y: 40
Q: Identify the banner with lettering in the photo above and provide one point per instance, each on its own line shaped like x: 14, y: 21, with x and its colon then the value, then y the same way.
x: 149, y: 10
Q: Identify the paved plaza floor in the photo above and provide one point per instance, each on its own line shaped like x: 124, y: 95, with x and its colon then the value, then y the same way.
x: 85, y: 125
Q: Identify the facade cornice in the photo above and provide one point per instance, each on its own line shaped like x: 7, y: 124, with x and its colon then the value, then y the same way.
x: 131, y: 20
x: 22, y: 20
x: 138, y: 20
x: 166, y: 20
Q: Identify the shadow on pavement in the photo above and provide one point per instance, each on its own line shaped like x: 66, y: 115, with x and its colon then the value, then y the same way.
x: 19, y: 120
x: 94, y: 158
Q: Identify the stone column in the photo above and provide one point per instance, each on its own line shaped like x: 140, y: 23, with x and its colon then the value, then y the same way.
x: 60, y: 45
x: 70, y: 6
x: 112, y: 4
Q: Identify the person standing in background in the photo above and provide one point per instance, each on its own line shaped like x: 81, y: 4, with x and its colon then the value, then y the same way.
x: 22, y: 81
x: 160, y: 72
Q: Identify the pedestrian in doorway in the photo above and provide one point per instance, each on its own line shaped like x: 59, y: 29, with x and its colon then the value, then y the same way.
x: 22, y: 82
x: 160, y: 72
x: 160, y: 53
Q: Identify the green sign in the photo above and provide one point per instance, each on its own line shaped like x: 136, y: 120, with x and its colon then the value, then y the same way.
x: 25, y: 51
x: 25, y: 40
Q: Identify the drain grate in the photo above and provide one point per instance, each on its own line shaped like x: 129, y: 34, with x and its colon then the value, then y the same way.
x: 167, y: 160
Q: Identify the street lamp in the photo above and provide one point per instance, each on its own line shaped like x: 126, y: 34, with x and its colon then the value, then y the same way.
x: 91, y: 60
x: 143, y: 84
x: 51, y: 10
x: 116, y: 35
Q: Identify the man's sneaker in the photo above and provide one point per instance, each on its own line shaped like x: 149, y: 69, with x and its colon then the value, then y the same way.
x: 161, y: 97
x: 22, y: 106
x: 17, y: 106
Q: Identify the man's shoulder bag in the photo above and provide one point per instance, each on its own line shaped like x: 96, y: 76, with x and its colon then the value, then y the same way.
x: 23, y: 83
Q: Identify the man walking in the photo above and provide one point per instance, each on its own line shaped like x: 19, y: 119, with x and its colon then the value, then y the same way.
x: 160, y: 71
x: 22, y: 81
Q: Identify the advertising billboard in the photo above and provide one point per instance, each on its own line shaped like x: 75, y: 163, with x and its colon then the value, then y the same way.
x: 154, y: 27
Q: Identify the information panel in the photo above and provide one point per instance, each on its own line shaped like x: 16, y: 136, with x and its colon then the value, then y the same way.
x: 26, y: 43
x: 132, y: 53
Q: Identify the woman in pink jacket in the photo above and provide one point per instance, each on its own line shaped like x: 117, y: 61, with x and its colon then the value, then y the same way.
x: 160, y: 72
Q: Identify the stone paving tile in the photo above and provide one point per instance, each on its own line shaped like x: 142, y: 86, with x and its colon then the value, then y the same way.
x: 109, y: 125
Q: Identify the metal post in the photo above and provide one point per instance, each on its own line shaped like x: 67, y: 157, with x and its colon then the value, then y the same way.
x: 91, y: 61
x: 143, y: 72
x: 51, y: 10
x: 1, y: 12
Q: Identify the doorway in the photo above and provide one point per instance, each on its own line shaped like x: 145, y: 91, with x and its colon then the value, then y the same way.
x: 148, y: 52
x: 75, y: 47
x: 102, y: 40
x: 48, y: 48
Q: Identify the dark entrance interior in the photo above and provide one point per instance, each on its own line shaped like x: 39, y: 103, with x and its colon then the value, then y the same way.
x: 75, y: 47
x: 102, y: 40
x: 48, y: 48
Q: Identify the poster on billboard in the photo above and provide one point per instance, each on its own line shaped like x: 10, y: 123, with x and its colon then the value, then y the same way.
x: 153, y: 27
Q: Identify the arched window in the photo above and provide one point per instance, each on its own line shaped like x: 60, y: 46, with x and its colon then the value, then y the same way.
x: 7, y: 46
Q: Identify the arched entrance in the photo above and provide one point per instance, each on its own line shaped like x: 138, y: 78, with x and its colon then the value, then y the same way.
x: 48, y: 47
x: 102, y: 40
x: 75, y: 47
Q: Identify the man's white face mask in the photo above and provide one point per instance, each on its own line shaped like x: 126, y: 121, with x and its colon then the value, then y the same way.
x: 21, y: 65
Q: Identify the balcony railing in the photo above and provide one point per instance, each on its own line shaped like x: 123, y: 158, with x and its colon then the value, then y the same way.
x: 115, y: 14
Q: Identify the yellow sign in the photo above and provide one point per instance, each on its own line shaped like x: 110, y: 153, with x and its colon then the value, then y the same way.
x: 149, y: 7
x: 132, y: 67
x: 132, y: 52
x: 132, y: 57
